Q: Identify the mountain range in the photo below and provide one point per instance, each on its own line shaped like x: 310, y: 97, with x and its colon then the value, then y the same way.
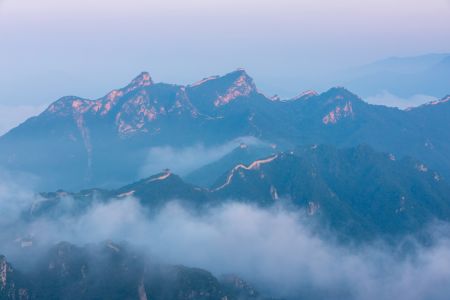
x: 356, y: 192
x: 105, y: 142
x: 350, y: 171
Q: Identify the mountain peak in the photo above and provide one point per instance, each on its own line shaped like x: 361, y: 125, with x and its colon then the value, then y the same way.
x: 340, y: 103
x: 240, y: 84
x: 66, y: 105
x: 142, y: 80
x: 217, y: 91
x: 340, y: 95
x: 339, y: 90
x: 240, y: 71
x: 240, y: 74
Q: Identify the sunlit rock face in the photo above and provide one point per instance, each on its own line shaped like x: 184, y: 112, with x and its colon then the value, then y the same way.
x: 339, y: 104
x: 136, y: 108
x: 102, y: 106
x: 338, y: 113
x: 241, y: 87
x: 139, y: 106
x: 216, y: 91
x: 138, y: 112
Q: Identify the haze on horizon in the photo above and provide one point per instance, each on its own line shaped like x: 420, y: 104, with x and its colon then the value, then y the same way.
x: 54, y: 48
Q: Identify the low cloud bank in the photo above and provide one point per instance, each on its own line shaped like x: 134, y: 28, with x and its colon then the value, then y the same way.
x: 184, y: 160
x: 388, y: 99
x: 272, y: 248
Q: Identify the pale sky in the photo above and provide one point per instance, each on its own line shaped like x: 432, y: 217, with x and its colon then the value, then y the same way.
x: 52, y: 48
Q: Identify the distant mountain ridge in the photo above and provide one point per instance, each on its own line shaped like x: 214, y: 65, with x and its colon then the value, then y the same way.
x: 402, y: 76
x: 105, y: 142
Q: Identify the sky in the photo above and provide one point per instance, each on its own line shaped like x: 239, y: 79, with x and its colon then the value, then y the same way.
x: 52, y: 48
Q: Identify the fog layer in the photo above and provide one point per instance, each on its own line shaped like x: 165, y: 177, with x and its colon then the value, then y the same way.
x: 272, y: 248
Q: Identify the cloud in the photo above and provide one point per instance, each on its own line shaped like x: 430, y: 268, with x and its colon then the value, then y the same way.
x: 184, y: 160
x: 274, y: 249
x: 388, y: 99
x: 13, y: 115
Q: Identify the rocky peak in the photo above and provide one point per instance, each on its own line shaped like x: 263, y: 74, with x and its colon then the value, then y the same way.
x: 239, y: 84
x: 67, y: 105
x: 336, y: 93
x: 339, y: 103
x: 214, y: 92
x: 240, y: 77
x: 75, y: 105
x: 142, y: 80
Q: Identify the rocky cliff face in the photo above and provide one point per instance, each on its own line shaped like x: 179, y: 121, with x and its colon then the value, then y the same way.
x: 12, y: 285
x: 113, y: 271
